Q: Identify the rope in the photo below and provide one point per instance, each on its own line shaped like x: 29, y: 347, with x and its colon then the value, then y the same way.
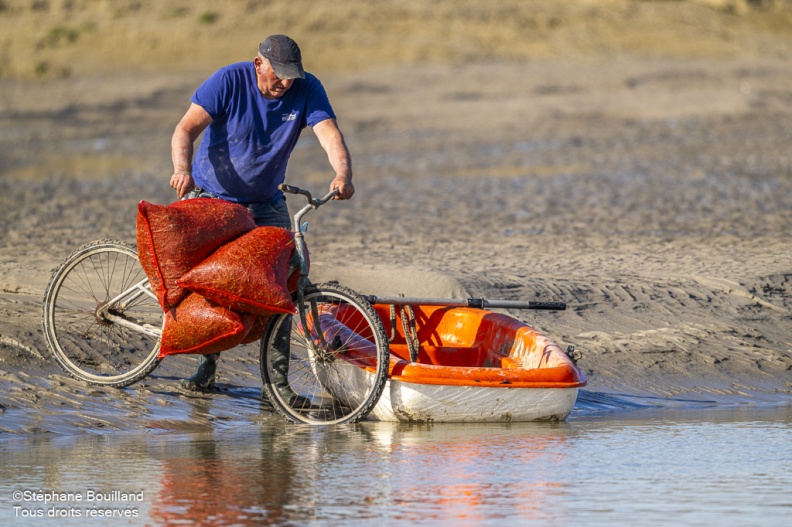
x: 410, y: 332
x: 408, y: 325
x: 393, y: 324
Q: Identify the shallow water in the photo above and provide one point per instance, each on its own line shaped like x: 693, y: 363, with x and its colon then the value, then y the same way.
x: 717, y: 466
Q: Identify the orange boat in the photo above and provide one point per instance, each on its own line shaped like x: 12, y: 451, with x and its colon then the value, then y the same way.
x: 463, y: 364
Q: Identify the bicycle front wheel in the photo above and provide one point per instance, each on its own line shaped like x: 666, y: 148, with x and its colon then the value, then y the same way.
x: 329, y: 363
x: 101, y: 319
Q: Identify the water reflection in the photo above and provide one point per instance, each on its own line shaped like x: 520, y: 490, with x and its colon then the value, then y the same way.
x: 720, y: 467
x: 227, y: 483
x: 413, y: 474
x: 464, y: 473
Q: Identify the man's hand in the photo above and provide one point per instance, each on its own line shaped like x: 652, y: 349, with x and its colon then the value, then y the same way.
x: 344, y: 186
x: 183, y: 183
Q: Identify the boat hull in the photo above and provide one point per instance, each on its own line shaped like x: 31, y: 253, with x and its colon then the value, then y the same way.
x: 426, y: 403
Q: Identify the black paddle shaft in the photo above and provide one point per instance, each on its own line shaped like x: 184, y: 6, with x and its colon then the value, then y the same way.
x: 481, y: 303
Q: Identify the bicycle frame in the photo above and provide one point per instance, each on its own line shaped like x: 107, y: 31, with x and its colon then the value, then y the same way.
x: 122, y: 301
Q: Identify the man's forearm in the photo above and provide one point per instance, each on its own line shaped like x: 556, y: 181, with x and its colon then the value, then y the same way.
x: 340, y: 160
x: 182, y: 151
x: 332, y: 140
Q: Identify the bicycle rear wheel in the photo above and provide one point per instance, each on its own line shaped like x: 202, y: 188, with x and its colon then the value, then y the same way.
x: 101, y: 319
x: 329, y: 363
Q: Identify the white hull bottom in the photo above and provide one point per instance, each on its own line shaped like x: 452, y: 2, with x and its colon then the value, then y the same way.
x: 432, y: 403
x: 424, y: 403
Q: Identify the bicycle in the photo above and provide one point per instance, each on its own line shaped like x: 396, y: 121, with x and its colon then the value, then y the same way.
x: 326, y: 364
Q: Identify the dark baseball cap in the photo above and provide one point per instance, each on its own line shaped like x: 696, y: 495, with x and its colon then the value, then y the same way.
x: 284, y: 56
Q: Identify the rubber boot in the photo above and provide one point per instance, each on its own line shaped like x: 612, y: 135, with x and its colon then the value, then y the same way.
x: 204, y: 378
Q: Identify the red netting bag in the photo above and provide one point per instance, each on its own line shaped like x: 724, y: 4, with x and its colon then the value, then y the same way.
x: 256, y: 330
x: 248, y: 274
x: 172, y: 239
x: 199, y: 326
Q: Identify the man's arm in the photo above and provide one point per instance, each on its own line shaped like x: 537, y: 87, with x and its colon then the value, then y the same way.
x: 332, y: 141
x: 187, y: 131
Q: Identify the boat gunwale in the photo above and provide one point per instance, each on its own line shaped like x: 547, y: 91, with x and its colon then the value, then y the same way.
x: 489, y: 377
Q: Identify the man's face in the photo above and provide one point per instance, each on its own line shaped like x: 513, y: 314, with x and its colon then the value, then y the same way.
x: 271, y: 85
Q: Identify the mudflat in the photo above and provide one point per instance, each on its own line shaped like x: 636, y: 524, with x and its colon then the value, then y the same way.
x: 646, y: 182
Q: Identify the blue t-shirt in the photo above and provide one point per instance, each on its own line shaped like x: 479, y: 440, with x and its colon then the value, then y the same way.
x: 244, y: 151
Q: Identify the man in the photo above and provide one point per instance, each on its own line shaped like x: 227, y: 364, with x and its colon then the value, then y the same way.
x: 252, y: 114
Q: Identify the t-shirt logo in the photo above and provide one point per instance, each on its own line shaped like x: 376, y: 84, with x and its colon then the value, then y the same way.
x: 289, y: 117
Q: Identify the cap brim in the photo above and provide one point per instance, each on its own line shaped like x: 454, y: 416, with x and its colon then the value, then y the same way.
x: 288, y: 71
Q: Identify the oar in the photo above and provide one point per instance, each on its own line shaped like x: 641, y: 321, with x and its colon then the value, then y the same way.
x: 481, y: 303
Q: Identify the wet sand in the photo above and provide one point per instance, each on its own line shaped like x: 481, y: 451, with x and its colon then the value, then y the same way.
x: 653, y: 196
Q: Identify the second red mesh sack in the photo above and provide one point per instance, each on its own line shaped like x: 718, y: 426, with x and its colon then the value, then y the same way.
x: 197, y: 325
x: 248, y: 274
x: 257, y: 330
x: 172, y: 239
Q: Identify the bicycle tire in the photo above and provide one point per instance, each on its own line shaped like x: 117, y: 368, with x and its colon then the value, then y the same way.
x: 340, y: 382
x: 86, y: 345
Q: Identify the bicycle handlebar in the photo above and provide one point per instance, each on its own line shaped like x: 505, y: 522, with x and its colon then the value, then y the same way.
x: 294, y: 190
x: 314, y: 202
x: 330, y: 195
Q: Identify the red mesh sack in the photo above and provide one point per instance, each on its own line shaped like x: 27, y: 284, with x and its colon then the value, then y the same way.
x: 173, y: 238
x: 199, y: 326
x: 257, y: 330
x: 248, y: 274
